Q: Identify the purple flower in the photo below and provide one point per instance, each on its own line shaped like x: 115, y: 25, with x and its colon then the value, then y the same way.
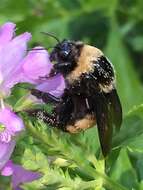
x: 6, y: 150
x: 37, y: 65
x: 17, y: 66
x: 19, y: 174
x: 12, y: 52
x: 10, y: 126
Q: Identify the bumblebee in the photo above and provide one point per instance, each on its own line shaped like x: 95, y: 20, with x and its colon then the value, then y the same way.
x: 90, y: 96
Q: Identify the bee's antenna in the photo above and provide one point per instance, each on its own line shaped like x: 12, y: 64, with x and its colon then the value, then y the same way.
x: 33, y: 49
x: 36, y: 49
x: 52, y: 35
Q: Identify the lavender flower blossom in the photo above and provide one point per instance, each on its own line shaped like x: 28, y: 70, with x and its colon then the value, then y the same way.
x: 17, y: 66
x: 19, y: 174
x: 12, y: 52
x: 37, y: 65
x: 10, y: 126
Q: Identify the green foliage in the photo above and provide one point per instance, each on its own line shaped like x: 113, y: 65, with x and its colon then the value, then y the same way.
x: 68, y: 162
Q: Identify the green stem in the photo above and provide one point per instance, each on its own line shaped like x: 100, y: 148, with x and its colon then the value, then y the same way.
x: 107, y: 182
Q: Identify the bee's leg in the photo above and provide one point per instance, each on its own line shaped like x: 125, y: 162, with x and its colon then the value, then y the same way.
x: 65, y: 108
x: 45, y: 96
x: 59, y: 116
x: 42, y: 115
x: 57, y: 67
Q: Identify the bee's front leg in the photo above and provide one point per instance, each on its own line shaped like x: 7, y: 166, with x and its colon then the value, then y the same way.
x: 45, y: 96
x: 60, y: 115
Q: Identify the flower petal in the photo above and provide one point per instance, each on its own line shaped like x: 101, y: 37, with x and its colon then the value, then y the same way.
x: 6, y: 33
x: 21, y: 175
x: 36, y: 64
x: 5, y: 136
x: 6, y: 150
x: 55, y: 85
x: 30, y: 69
x: 12, y: 54
x: 7, y: 170
x: 12, y: 122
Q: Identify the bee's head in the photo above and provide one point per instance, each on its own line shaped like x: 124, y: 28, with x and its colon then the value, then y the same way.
x: 65, y: 55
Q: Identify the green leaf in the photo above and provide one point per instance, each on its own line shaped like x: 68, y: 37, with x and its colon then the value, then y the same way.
x: 128, y: 84
x: 137, y: 43
x: 131, y: 133
x: 139, y: 166
x: 123, y: 171
x: 34, y: 159
x: 141, y: 186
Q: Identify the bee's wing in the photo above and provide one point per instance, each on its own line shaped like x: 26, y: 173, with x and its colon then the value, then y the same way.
x: 108, y: 113
x: 107, y: 105
x: 115, y: 108
x: 104, y: 122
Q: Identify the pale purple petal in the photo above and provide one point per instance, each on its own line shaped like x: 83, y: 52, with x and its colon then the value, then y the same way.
x: 55, y: 85
x: 13, y: 79
x: 6, y: 33
x: 6, y: 150
x: 16, y: 66
x: 5, y: 136
x: 11, y: 121
x: 36, y: 64
x: 21, y: 175
x: 12, y: 53
x: 7, y: 170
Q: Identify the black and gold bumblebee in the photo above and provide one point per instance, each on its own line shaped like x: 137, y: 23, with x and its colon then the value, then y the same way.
x: 90, y: 96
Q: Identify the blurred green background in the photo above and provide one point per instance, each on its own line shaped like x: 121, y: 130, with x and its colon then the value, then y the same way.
x: 115, y: 26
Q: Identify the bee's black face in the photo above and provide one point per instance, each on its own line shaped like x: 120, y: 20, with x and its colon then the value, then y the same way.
x: 62, y: 51
x: 65, y: 56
